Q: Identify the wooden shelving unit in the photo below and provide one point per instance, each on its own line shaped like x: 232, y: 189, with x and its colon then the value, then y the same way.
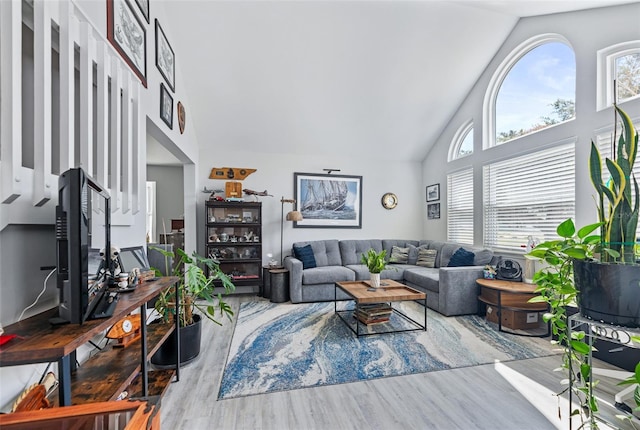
x: 234, y: 238
x: 105, y: 375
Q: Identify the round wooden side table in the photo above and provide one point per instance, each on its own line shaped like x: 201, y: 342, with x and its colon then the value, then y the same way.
x: 507, y: 304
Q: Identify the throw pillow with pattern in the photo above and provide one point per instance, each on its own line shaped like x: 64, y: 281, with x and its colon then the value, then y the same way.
x: 427, y: 257
x: 399, y: 255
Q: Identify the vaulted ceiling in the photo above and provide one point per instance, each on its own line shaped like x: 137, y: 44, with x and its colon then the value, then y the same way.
x: 381, y: 78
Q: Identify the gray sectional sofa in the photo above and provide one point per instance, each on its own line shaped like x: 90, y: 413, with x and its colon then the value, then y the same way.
x: 450, y: 290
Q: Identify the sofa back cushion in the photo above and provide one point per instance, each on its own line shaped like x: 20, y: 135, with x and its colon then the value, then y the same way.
x: 325, y: 252
x: 352, y: 250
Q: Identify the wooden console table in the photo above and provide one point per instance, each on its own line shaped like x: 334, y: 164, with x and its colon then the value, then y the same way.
x: 105, y: 375
x: 511, y: 297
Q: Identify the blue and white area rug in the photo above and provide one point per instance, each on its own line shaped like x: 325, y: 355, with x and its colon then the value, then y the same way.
x: 277, y: 347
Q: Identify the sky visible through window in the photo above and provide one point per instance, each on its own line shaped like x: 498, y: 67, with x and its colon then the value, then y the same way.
x: 525, y: 100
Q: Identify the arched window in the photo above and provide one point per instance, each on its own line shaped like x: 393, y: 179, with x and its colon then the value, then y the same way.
x: 533, y: 89
x: 619, y: 63
x: 462, y: 143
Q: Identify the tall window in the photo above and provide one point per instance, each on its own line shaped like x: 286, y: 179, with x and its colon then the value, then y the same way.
x: 534, y: 88
x: 619, y: 63
x: 462, y: 143
x: 528, y: 196
x: 460, y: 206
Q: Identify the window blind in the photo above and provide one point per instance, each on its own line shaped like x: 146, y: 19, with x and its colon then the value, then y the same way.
x: 528, y: 196
x: 460, y: 206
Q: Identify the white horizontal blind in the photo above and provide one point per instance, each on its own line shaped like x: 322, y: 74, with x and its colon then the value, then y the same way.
x: 460, y: 206
x: 528, y: 196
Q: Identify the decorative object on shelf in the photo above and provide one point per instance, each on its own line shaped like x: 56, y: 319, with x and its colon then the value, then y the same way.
x: 196, y: 292
x: 293, y: 215
x: 489, y: 272
x: 127, y: 34
x: 375, y: 262
x: 433, y: 211
x: 328, y: 201
x: 165, y: 58
x: 433, y: 193
x: 249, y: 192
x: 238, y: 173
x: 233, y: 189
x: 144, y: 8
x: 182, y: 117
x: 389, y: 201
x: 126, y: 331
x: 166, y: 106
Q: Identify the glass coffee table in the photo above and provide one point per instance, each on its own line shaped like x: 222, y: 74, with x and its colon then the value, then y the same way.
x: 374, y: 307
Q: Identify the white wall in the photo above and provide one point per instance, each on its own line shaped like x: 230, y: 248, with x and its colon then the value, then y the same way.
x: 275, y: 174
x: 587, y: 31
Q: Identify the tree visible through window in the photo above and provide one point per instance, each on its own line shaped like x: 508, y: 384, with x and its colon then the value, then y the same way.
x: 539, y: 91
x: 628, y: 76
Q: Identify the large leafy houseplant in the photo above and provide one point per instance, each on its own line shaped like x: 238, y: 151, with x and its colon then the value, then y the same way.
x: 618, y: 200
x: 195, y: 289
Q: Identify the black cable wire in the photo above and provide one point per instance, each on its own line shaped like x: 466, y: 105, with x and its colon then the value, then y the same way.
x: 44, y: 374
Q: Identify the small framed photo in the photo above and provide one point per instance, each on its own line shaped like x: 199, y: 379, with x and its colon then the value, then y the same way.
x: 166, y: 106
x: 433, y: 211
x: 165, y: 58
x: 433, y: 193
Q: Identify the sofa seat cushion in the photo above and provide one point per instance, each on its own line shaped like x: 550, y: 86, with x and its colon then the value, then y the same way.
x: 426, y: 277
x: 327, y: 275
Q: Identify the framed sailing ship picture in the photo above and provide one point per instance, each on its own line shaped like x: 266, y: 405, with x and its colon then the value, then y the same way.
x: 328, y: 201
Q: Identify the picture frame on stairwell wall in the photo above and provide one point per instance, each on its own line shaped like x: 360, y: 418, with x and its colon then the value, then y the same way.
x: 328, y: 200
x: 433, y: 192
x: 433, y: 211
x: 165, y: 57
x: 166, y: 106
x: 128, y: 36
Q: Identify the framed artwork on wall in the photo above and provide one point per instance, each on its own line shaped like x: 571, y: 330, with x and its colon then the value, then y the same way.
x: 144, y: 8
x: 166, y: 106
x: 433, y: 192
x: 165, y: 58
x: 328, y: 201
x: 127, y: 34
x: 433, y: 211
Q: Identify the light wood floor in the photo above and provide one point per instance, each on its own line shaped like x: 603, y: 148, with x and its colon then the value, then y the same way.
x: 511, y: 395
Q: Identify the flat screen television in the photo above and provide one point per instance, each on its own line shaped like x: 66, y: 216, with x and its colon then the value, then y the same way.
x: 83, y: 225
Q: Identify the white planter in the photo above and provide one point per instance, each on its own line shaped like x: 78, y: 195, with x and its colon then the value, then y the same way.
x: 375, y: 280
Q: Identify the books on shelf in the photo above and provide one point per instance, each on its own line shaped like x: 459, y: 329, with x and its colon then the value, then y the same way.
x: 374, y: 313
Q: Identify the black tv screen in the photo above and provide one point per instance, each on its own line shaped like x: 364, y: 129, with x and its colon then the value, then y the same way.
x: 83, y: 222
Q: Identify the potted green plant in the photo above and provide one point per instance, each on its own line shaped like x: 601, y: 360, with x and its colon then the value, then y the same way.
x: 376, y: 263
x: 196, y: 293
x: 608, y: 288
x: 556, y: 287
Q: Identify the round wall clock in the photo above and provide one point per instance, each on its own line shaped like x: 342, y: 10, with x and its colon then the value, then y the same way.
x: 389, y: 200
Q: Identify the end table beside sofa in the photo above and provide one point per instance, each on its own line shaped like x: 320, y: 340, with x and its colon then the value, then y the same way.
x: 450, y: 290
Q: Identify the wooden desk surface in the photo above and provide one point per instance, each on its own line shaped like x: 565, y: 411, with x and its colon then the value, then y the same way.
x: 41, y: 342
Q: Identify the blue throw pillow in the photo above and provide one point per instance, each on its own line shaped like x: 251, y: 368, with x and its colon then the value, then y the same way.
x: 461, y: 257
x: 305, y: 254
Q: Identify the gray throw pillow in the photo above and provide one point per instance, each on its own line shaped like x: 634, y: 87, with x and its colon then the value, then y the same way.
x: 399, y: 255
x: 427, y: 257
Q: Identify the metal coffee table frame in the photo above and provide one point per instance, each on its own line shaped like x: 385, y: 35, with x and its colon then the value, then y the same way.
x: 397, y: 285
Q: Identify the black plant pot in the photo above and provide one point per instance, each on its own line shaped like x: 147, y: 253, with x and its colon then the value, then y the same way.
x: 608, y: 292
x: 190, y: 336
